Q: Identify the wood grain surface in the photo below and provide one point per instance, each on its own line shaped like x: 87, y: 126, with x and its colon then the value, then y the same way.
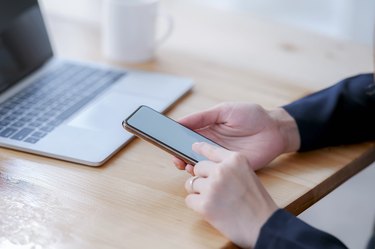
x: 136, y: 200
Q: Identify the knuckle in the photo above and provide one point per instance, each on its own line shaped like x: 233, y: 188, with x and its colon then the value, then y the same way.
x: 206, y: 207
x: 186, y: 186
x: 236, y: 158
x: 257, y: 107
x: 217, y: 181
x: 218, y: 175
x: 211, y: 150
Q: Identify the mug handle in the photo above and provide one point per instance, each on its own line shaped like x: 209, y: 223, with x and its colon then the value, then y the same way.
x: 169, y: 28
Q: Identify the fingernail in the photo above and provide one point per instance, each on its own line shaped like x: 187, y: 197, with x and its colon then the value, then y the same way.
x: 196, y: 145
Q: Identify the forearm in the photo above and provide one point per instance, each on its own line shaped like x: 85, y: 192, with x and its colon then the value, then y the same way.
x: 287, y: 128
x: 283, y: 230
x: 341, y: 114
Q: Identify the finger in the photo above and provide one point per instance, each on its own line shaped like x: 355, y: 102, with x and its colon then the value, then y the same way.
x: 195, y: 185
x: 211, y: 152
x: 204, y: 168
x: 202, y: 119
x: 194, y: 201
x: 190, y: 169
x: 179, y: 163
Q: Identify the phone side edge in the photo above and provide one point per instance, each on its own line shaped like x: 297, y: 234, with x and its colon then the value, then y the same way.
x: 151, y: 140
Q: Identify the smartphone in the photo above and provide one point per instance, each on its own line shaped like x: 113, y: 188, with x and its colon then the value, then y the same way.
x: 165, y: 133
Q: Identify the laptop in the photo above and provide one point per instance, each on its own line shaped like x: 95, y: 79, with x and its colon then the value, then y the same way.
x: 66, y: 109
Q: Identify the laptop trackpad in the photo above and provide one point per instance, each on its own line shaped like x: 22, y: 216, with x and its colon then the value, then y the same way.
x: 109, y: 111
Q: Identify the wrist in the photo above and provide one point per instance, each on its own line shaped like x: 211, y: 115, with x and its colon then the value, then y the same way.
x: 288, y: 129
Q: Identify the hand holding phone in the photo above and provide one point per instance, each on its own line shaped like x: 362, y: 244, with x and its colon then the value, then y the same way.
x: 165, y: 133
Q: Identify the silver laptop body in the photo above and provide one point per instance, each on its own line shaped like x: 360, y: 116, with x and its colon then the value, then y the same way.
x: 81, y: 122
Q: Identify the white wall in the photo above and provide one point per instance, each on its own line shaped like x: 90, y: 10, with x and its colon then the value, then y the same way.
x: 344, y: 19
x: 86, y: 10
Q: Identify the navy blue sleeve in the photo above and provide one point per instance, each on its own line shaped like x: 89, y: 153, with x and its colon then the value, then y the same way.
x: 371, y: 242
x: 285, y: 231
x: 341, y: 114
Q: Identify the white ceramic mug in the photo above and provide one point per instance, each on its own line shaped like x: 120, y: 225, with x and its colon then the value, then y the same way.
x: 129, y: 29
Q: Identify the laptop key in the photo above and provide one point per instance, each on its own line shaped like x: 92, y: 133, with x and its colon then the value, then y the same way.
x: 35, y: 124
x: 11, y: 118
x: 8, y: 132
x: 23, y: 133
x: 4, y: 123
x: 47, y: 128
x: 54, y: 123
x: 38, y: 134
x: 3, y: 112
x: 18, y: 124
x: 67, y: 113
x: 31, y: 140
x: 25, y: 119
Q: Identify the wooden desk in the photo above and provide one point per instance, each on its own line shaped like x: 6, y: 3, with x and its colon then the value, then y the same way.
x: 136, y: 200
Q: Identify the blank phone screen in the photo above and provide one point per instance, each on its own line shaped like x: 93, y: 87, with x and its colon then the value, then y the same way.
x: 167, y: 131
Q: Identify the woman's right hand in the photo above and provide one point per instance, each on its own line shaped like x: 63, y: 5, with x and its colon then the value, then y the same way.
x: 229, y: 195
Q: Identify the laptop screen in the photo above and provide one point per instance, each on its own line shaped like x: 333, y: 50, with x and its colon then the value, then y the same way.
x: 24, y: 43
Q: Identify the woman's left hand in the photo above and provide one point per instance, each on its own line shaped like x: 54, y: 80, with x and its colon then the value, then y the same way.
x: 229, y: 195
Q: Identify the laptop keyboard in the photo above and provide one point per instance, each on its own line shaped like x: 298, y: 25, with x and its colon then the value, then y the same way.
x: 49, y: 100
